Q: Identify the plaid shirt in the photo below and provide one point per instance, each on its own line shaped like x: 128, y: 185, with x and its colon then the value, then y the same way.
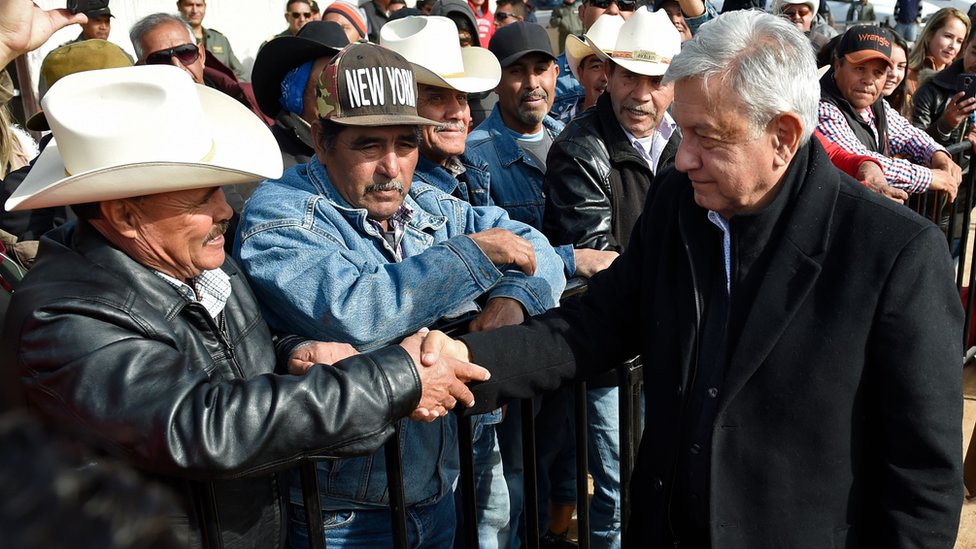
x: 904, y: 140
x: 398, y: 224
x: 211, y: 289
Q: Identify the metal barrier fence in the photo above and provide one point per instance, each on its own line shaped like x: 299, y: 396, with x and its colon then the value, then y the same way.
x: 629, y: 377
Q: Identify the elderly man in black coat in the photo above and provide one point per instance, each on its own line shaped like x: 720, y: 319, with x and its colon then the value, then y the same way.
x: 801, y: 334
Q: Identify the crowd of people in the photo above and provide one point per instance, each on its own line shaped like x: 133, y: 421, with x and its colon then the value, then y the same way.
x: 369, y: 236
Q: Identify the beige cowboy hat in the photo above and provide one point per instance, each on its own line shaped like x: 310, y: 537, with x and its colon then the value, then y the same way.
x: 602, y: 35
x: 431, y: 45
x: 141, y: 130
x: 646, y: 44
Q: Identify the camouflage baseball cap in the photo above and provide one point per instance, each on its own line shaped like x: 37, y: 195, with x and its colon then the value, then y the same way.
x: 369, y: 85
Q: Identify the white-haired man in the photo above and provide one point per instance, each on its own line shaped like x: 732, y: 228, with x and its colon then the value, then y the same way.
x: 770, y: 297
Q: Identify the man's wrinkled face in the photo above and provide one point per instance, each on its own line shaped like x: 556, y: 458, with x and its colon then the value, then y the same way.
x: 526, y: 91
x: 372, y: 167
x: 97, y: 27
x: 192, y: 11
x: 180, y: 233
x: 168, y: 35
x: 450, y: 108
x: 639, y: 101
x: 860, y: 83
x: 731, y: 164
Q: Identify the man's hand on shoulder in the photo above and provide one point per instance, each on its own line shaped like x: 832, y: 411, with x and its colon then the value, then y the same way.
x: 505, y: 248
x: 318, y: 352
x: 500, y: 311
x: 444, y: 367
x: 873, y: 178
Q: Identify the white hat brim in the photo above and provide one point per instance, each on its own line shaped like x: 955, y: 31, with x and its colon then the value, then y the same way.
x: 244, y: 150
x: 481, y: 72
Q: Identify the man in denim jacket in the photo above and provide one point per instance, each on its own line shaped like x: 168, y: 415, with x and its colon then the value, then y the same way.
x: 348, y: 246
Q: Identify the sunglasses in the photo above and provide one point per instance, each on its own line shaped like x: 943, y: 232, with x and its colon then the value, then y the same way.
x: 622, y: 5
x: 186, y: 53
x: 502, y: 15
x: 801, y: 12
x: 301, y: 15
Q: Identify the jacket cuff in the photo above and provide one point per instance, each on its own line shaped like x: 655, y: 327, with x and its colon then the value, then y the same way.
x: 402, y: 380
x: 284, y: 346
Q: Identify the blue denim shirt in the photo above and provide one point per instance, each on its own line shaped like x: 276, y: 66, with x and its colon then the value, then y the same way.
x: 322, y: 271
x: 475, y: 187
x: 569, y: 92
x: 516, y: 179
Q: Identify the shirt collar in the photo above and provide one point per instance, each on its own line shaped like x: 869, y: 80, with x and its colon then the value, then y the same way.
x: 210, y: 288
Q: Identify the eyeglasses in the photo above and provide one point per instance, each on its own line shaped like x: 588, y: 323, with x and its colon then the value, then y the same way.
x: 800, y: 12
x: 186, y: 53
x: 622, y: 5
x: 301, y: 15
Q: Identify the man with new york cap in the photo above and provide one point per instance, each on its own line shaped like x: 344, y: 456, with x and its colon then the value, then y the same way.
x: 135, y: 332
x: 352, y: 247
x: 853, y: 115
x: 284, y: 78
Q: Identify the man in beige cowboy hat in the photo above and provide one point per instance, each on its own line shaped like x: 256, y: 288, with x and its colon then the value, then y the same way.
x: 134, y: 330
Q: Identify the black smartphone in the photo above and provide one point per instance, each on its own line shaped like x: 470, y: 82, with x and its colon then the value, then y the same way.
x: 966, y: 82
x: 84, y: 6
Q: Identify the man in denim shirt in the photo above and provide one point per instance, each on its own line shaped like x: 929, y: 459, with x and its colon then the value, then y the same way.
x: 349, y: 245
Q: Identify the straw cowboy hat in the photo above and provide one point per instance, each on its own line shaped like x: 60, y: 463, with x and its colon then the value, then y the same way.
x: 133, y: 131
x: 431, y: 45
x: 602, y: 36
x: 646, y: 44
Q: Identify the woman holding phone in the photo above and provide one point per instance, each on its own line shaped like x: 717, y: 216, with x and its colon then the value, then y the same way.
x: 943, y: 105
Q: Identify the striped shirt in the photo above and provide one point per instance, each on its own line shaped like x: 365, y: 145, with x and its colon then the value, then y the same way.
x: 912, y: 147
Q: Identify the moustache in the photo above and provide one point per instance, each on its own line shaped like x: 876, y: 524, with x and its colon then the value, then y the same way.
x: 638, y: 109
x: 534, y: 94
x: 452, y: 127
x: 218, y: 229
x: 394, y: 185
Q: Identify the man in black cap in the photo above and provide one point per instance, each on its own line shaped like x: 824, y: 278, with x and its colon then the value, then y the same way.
x: 853, y: 115
x: 285, y: 73
x: 98, y: 26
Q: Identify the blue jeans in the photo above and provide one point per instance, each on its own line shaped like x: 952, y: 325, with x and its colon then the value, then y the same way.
x: 491, y: 490
x: 428, y: 527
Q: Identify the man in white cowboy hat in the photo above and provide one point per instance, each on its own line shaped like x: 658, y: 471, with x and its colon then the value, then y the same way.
x: 353, y: 247
x: 600, y: 170
x: 135, y: 332
x: 588, y: 68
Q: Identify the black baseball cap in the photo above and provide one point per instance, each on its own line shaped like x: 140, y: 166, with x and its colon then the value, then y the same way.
x: 865, y: 42
x: 512, y: 42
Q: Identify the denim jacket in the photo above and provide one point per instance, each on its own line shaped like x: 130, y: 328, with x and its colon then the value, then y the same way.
x: 569, y: 92
x: 516, y: 179
x: 321, y: 270
x: 475, y: 186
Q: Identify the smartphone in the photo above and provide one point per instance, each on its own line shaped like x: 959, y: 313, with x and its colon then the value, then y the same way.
x: 966, y: 82
x: 84, y: 6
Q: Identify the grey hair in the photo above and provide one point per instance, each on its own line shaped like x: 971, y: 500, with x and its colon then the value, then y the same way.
x: 763, y: 58
x: 149, y: 23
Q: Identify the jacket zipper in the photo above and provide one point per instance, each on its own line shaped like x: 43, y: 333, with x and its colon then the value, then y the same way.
x: 691, y: 381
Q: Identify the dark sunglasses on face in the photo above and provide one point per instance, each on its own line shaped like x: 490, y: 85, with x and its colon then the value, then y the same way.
x: 502, y: 15
x: 622, y: 5
x: 186, y: 53
x: 301, y: 15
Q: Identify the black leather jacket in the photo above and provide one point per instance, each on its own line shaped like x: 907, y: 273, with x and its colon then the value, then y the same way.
x: 596, y: 183
x: 106, y: 348
x: 930, y: 101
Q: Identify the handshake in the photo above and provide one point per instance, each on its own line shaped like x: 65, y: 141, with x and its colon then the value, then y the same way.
x: 443, y: 366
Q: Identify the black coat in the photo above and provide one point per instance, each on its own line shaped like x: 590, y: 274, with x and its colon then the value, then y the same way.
x: 930, y: 101
x: 107, y: 349
x: 838, y: 421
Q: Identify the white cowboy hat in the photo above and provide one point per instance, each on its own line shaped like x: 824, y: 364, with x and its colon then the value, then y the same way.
x: 646, y: 44
x: 133, y: 131
x: 432, y: 47
x: 602, y: 35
